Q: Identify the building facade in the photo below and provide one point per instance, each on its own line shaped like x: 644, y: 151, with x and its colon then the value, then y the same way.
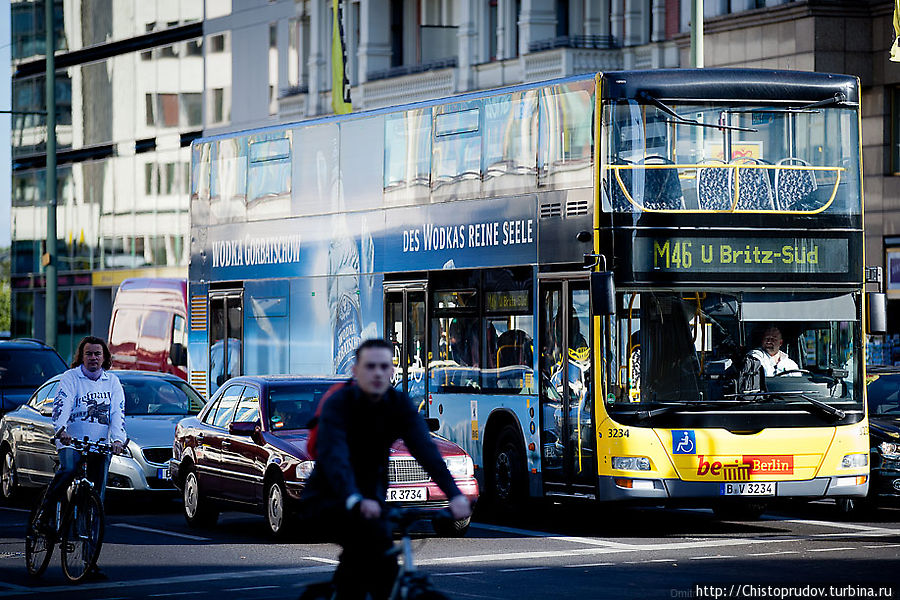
x: 138, y: 81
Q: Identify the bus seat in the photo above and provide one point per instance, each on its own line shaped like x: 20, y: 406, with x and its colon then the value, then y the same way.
x: 662, y: 189
x: 715, y: 187
x: 793, y: 186
x: 754, y: 187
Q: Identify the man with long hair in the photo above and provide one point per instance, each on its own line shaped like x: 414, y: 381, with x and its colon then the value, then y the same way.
x: 89, y: 403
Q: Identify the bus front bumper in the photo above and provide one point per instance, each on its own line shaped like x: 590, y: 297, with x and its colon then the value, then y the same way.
x: 632, y: 488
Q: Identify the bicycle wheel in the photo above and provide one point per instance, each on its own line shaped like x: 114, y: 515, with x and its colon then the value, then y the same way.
x: 82, y: 535
x: 38, y: 545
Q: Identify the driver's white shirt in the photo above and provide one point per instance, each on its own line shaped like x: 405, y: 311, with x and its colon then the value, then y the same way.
x: 774, y: 365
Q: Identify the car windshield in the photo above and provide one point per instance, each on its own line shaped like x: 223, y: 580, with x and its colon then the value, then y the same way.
x: 28, y: 368
x: 157, y: 396
x: 883, y: 394
x: 291, y: 406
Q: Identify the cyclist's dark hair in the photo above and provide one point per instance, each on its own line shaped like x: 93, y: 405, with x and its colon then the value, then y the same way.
x: 373, y: 343
x: 78, y: 360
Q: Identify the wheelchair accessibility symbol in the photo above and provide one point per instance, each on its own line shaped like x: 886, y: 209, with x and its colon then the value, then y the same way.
x: 683, y: 442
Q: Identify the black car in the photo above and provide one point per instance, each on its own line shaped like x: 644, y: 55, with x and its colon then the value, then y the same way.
x: 24, y: 366
x: 883, y: 398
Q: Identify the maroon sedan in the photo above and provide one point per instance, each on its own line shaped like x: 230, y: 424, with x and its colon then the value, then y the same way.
x: 247, y: 451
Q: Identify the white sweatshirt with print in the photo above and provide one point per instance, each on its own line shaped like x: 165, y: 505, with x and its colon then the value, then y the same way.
x: 85, y: 407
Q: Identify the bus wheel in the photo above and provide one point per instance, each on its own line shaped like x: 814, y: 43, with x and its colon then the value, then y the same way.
x: 506, y: 485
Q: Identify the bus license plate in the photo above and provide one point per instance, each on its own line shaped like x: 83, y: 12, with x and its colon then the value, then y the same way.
x: 407, y: 494
x: 750, y: 488
x: 163, y: 473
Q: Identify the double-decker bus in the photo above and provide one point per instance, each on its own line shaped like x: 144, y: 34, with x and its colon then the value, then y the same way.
x: 595, y: 284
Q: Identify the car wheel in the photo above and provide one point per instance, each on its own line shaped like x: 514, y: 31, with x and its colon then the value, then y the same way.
x: 276, y: 516
x: 506, y: 485
x: 9, y: 481
x: 198, y: 512
x: 450, y: 528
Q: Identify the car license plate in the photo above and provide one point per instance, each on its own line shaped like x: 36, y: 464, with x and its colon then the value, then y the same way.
x: 749, y: 488
x: 419, y: 494
x: 163, y: 473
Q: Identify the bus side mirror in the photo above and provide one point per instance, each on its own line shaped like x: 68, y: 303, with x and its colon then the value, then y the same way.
x: 876, y: 305
x: 603, y: 293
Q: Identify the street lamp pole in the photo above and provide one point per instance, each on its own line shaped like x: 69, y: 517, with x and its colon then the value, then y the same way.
x: 49, y: 257
x: 697, y: 34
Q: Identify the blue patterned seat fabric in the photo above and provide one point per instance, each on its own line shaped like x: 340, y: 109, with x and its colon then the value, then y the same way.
x: 662, y: 188
x: 754, y: 188
x: 793, y: 186
x: 714, y: 188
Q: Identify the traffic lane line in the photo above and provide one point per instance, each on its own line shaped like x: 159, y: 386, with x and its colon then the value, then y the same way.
x: 185, y: 536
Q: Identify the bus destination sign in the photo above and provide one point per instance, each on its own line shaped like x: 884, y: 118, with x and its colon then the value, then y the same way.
x: 687, y: 255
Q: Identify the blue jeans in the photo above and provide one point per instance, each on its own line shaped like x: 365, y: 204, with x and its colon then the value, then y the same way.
x: 97, y: 469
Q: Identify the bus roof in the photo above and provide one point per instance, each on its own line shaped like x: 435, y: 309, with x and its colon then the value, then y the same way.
x: 681, y: 84
x: 730, y: 85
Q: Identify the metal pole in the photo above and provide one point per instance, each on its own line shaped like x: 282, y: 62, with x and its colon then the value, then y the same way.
x: 49, y: 258
x: 697, y: 34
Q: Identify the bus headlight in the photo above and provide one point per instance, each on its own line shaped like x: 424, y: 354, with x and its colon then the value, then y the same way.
x: 855, y: 461
x: 890, y: 450
x: 305, y: 469
x: 631, y: 463
x: 460, y: 466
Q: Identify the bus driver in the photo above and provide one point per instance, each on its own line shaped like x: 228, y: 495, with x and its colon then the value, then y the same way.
x: 770, y: 355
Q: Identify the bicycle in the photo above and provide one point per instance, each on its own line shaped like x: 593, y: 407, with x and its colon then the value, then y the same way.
x: 410, y: 583
x: 78, y: 523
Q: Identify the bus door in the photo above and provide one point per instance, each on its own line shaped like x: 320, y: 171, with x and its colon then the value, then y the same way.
x: 226, y: 336
x: 404, y: 328
x: 568, y: 457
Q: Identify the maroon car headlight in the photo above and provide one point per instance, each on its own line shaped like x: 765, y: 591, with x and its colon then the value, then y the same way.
x: 461, y: 467
x: 305, y: 469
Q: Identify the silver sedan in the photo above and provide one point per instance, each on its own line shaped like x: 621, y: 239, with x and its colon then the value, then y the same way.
x: 154, y: 403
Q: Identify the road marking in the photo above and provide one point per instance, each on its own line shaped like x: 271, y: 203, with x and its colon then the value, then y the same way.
x: 772, y: 553
x: 603, y: 564
x: 711, y: 557
x: 172, y: 594
x: 830, y: 549
x: 522, y: 569
x: 660, y: 560
x: 24, y: 510
x: 258, y: 587
x: 552, y: 536
x: 162, y: 532
x: 879, y: 546
x: 327, y: 561
x: 853, y: 526
x: 457, y: 573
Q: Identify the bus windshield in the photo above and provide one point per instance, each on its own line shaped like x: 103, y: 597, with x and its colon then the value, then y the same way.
x: 731, y: 158
x: 679, y: 347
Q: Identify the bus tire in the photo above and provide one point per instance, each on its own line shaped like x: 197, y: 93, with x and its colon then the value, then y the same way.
x: 506, y: 477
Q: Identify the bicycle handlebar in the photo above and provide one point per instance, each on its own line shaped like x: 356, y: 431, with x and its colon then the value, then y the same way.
x: 91, y: 446
x: 403, y: 518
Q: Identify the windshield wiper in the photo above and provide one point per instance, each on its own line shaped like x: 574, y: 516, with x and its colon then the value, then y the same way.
x: 688, y: 406
x: 838, y: 98
x: 767, y: 396
x: 685, y: 121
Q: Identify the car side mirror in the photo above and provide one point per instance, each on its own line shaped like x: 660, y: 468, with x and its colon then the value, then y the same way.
x: 250, y: 428
x: 433, y: 424
x: 177, y: 355
x: 47, y: 410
